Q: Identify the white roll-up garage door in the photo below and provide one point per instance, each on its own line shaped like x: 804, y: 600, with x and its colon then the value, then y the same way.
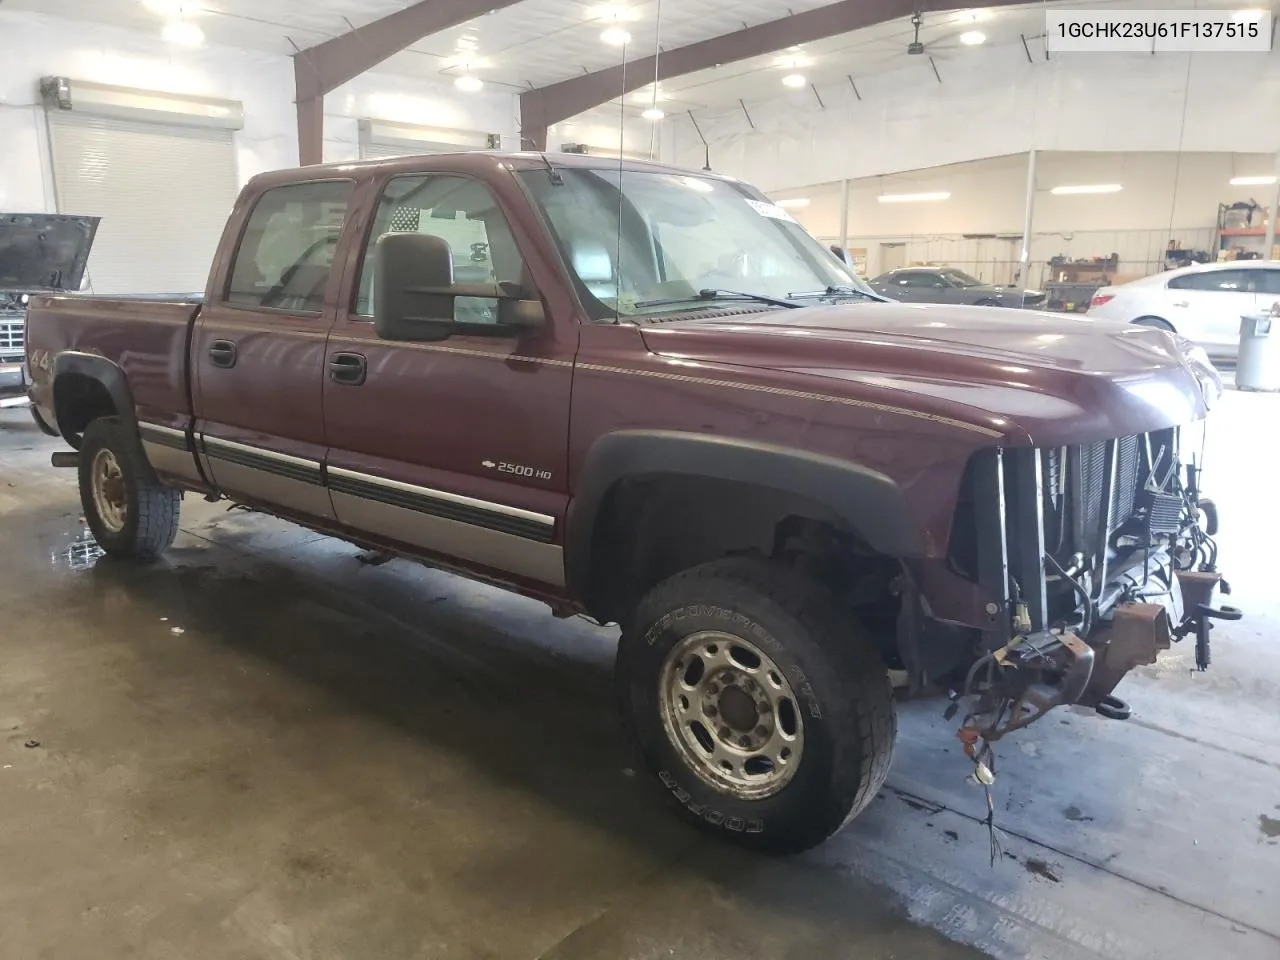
x: 163, y: 191
x: 380, y: 139
x: 379, y: 150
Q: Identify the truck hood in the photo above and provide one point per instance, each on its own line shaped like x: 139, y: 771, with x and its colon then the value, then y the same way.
x: 42, y: 252
x: 1041, y: 378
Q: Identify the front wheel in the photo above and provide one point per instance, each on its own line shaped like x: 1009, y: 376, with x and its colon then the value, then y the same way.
x: 130, y: 513
x: 761, y: 708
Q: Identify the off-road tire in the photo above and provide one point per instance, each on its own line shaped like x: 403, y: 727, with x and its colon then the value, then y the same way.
x: 846, y: 698
x: 150, y: 507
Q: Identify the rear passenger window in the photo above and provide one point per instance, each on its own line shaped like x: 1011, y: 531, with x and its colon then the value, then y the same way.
x: 287, y: 249
x: 1220, y: 281
x: 1266, y: 280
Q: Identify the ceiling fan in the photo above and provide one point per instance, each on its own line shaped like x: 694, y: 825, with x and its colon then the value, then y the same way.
x: 918, y: 47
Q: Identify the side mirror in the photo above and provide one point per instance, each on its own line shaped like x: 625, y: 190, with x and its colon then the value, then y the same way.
x: 415, y: 296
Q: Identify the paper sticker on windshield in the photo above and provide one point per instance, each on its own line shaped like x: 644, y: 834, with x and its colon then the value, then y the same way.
x: 770, y: 210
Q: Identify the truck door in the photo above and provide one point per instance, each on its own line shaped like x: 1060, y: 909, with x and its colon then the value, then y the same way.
x: 258, y: 351
x: 456, y: 448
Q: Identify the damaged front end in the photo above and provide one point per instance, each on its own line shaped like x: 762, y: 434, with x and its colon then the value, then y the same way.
x: 1101, y: 556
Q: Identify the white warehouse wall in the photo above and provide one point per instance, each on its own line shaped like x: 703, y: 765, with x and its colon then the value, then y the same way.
x: 1164, y: 196
x: 993, y: 103
x: 989, y: 196
x: 38, y: 46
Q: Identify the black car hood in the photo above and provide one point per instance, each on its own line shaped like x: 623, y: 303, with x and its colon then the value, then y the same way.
x: 44, y: 251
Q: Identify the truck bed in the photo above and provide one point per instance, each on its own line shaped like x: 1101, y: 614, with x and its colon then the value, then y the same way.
x: 146, y: 336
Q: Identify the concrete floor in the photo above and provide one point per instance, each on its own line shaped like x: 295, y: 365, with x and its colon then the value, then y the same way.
x: 261, y: 748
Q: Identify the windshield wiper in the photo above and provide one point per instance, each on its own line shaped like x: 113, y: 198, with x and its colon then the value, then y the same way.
x: 709, y: 294
x: 842, y: 291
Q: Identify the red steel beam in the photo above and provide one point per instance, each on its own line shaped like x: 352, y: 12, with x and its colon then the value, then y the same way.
x: 550, y: 104
x: 326, y: 66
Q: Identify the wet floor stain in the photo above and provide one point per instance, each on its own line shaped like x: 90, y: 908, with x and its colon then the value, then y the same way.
x: 1270, y: 826
x: 81, y: 553
x: 915, y: 803
x: 1042, y: 869
x: 1075, y: 813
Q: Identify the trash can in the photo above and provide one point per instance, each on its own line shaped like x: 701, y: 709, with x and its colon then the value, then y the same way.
x: 1258, y: 363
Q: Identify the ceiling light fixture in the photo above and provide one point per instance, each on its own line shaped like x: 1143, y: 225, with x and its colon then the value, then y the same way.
x: 172, y: 8
x: 794, y: 80
x: 792, y: 203
x: 1252, y: 181
x: 913, y: 197
x: 184, y: 33
x: 467, y: 43
x: 794, y: 61
x: 1086, y: 188
x: 616, y: 37
x: 653, y: 113
x: 971, y: 38
x: 609, y: 13
x: 468, y: 83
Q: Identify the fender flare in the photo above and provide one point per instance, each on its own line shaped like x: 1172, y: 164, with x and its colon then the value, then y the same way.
x: 869, y: 502
x: 105, y: 372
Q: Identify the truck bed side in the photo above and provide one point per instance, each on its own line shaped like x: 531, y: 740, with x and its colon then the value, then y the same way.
x: 135, y: 348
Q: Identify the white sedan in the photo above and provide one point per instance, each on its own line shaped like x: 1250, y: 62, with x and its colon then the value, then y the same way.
x: 1203, y: 303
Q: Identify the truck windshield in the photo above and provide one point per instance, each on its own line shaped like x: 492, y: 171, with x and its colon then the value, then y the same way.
x: 645, y: 243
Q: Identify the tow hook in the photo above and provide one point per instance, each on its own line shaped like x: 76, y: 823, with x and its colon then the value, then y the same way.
x: 1202, y: 622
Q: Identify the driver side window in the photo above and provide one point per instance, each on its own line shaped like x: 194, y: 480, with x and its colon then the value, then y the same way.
x: 914, y: 278
x: 461, y: 212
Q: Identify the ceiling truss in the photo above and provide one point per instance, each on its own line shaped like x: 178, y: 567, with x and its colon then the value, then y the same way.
x: 551, y: 104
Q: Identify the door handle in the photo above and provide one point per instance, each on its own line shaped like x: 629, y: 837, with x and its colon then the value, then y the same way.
x: 348, y: 368
x: 1178, y: 303
x: 222, y: 353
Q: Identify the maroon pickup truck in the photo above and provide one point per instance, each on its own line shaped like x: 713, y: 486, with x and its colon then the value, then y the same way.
x: 648, y: 396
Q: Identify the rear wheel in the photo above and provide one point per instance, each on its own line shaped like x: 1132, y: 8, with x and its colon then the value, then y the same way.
x: 1157, y: 322
x: 758, y: 705
x: 130, y: 513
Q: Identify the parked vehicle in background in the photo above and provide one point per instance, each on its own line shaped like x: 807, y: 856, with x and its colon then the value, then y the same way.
x: 949, y: 285
x: 39, y: 253
x: 1203, y: 302
x: 647, y: 395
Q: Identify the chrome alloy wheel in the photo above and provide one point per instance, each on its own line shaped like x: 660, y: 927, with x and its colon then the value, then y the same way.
x: 731, y: 713
x: 108, y: 491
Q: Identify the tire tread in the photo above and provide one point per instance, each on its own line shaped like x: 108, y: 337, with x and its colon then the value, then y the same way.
x: 158, y: 505
x: 866, y: 703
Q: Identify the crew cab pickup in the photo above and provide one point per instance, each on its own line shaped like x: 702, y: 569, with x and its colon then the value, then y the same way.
x: 648, y: 396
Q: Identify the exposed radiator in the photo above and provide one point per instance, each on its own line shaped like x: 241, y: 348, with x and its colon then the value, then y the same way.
x: 1125, y: 492
x: 1093, y: 475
